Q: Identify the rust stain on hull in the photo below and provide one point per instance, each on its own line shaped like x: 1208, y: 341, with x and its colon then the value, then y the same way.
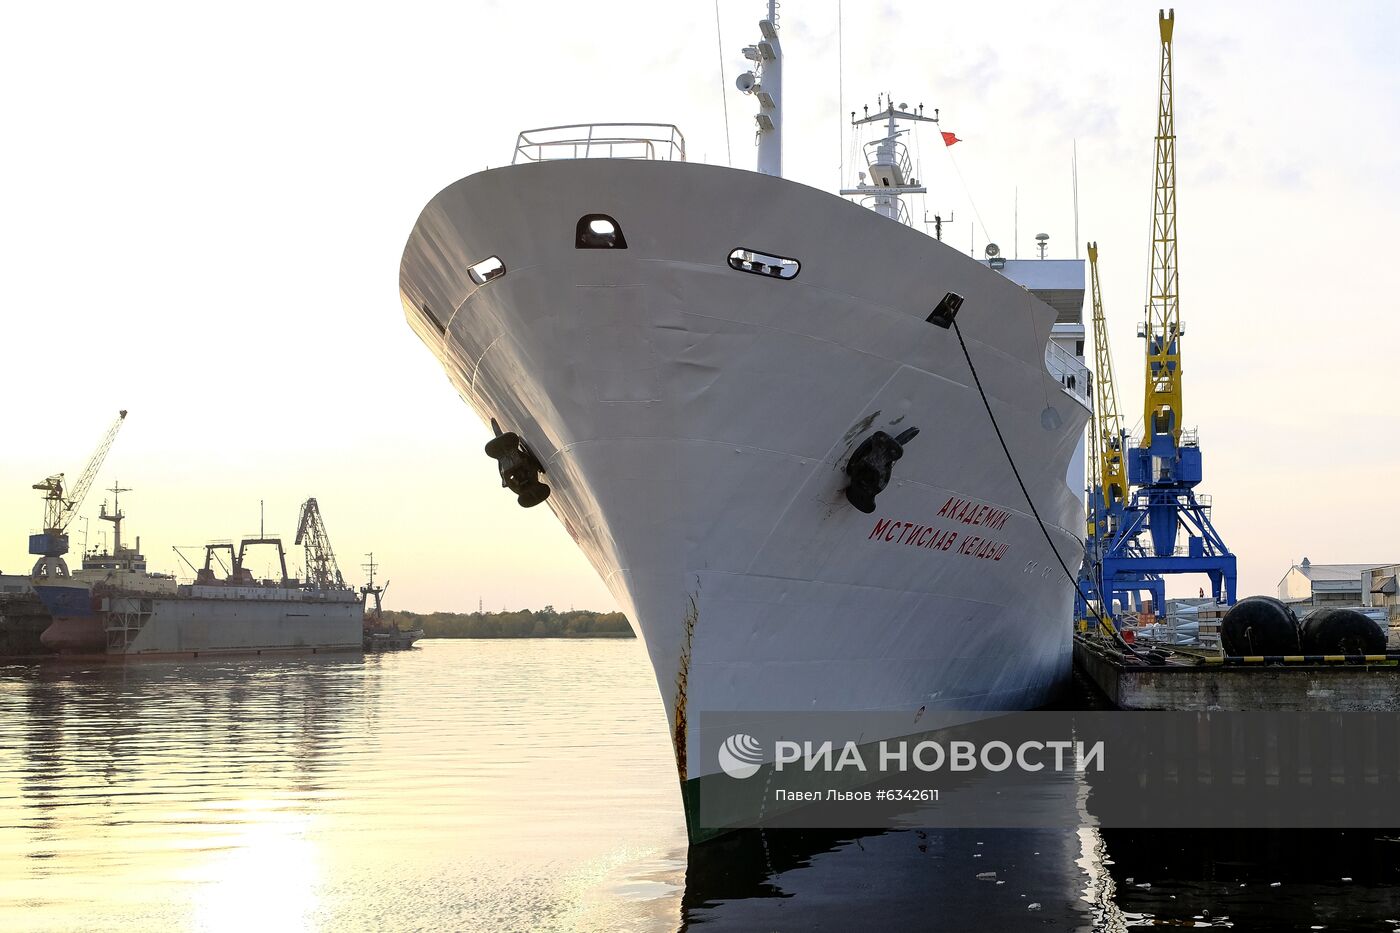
x: 849, y: 438
x: 692, y: 614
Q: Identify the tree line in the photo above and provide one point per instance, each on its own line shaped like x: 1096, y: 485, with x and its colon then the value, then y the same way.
x: 522, y: 623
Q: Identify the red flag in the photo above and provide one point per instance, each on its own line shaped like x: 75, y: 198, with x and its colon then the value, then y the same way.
x: 950, y: 138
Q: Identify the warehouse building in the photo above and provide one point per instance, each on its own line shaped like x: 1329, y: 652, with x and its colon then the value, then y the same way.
x: 1378, y: 590
x: 1308, y: 586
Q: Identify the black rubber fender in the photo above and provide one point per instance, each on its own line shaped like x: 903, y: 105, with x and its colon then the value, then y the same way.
x: 1259, y: 625
x: 1341, y: 631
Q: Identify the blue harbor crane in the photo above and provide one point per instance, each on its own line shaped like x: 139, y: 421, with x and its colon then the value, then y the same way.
x: 1164, y: 470
x: 1108, y: 486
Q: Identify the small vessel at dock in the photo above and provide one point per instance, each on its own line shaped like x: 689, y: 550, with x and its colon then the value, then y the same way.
x: 381, y: 635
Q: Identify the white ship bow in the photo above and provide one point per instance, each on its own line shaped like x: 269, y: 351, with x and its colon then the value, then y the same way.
x: 694, y: 421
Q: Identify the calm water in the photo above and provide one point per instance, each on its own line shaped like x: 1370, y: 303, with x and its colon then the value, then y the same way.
x: 528, y: 785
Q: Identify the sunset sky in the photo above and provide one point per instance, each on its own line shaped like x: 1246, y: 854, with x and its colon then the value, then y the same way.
x: 203, y: 208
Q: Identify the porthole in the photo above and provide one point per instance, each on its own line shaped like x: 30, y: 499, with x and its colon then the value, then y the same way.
x: 766, y: 264
x: 486, y: 270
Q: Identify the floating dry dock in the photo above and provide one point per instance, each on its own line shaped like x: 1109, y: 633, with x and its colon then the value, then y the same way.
x: 1186, y: 680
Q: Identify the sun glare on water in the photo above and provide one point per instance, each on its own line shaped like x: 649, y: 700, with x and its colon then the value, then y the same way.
x: 261, y: 872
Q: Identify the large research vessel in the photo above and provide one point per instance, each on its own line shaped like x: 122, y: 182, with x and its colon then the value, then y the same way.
x: 749, y: 403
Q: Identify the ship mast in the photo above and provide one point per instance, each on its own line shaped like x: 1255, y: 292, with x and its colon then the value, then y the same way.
x: 370, y: 590
x: 115, y: 516
x: 765, y: 82
x: 890, y: 168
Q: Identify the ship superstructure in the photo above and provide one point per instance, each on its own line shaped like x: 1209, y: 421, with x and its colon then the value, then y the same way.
x: 750, y: 404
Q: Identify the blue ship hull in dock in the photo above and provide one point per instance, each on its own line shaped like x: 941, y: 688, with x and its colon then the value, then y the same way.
x: 66, y: 601
x: 77, y: 626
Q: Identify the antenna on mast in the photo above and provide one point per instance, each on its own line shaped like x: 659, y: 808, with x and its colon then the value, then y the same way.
x: 765, y: 82
x: 1074, y: 174
x: 840, y: 99
x: 892, y: 169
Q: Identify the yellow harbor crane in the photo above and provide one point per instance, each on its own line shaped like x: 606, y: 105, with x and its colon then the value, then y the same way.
x: 1165, y: 469
x: 1108, y: 482
x: 1162, y: 329
x: 1111, y: 480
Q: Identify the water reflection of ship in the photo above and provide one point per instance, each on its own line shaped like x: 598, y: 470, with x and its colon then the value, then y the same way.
x: 1270, y: 879
x: 898, y: 880
x: 1083, y: 878
x: 379, y: 634
x: 206, y: 736
x: 1086, y: 879
x: 908, y: 878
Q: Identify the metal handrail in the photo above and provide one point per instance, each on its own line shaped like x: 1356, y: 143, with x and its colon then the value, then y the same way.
x: 1072, y: 374
x: 1190, y: 437
x: 656, y: 142
x: 870, y: 201
x: 896, y: 150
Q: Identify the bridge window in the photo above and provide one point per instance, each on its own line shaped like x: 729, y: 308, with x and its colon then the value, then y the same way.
x: 776, y: 267
x: 598, y: 231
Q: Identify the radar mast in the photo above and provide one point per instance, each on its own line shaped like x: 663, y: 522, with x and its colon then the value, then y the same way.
x: 889, y: 171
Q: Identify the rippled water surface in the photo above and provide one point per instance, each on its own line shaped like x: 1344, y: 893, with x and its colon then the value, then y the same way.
x: 462, y: 785
x: 528, y: 785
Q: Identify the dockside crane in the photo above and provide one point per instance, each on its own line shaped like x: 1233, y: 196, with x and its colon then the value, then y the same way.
x: 1108, y: 481
x: 60, y: 505
x: 1112, y: 490
x: 322, y: 572
x: 1165, y: 469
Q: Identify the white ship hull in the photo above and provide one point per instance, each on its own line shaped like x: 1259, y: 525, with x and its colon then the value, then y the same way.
x: 694, y: 422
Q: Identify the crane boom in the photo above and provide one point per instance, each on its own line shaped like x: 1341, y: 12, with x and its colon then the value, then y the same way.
x: 80, y: 489
x: 59, y: 508
x: 1162, y: 412
x: 1108, y: 481
x: 1109, y: 428
x: 322, y: 572
x: 1092, y: 503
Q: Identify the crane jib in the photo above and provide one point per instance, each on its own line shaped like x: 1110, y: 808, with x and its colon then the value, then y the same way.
x: 61, y: 506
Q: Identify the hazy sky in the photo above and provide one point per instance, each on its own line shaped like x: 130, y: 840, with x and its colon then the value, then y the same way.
x: 202, y: 211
